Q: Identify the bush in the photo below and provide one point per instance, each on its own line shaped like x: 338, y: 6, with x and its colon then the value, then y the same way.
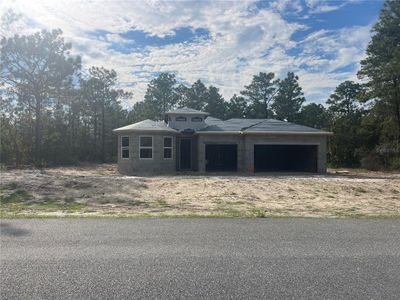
x: 371, y: 161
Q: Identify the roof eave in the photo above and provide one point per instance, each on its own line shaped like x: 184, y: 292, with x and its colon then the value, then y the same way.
x: 219, y: 132
x: 290, y: 132
x: 186, y: 113
x: 266, y: 132
x: 143, y: 130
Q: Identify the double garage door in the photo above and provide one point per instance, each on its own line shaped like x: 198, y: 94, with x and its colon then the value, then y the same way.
x: 267, y: 158
x: 285, y: 158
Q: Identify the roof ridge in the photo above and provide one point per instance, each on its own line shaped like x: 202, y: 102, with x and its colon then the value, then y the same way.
x: 245, y: 128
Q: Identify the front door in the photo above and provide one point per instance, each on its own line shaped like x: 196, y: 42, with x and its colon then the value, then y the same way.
x: 185, y: 159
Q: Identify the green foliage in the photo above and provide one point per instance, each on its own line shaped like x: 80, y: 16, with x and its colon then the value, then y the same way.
x: 344, y: 101
x: 237, y: 107
x: 381, y: 68
x: 161, y: 95
x: 35, y: 69
x: 314, y: 115
x: 215, y: 103
x: 289, y: 98
x: 49, y: 113
x: 193, y: 97
x: 15, y: 197
x: 346, y: 116
x: 259, y: 95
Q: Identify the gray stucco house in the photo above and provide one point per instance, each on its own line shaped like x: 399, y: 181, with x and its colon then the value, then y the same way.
x: 190, y: 140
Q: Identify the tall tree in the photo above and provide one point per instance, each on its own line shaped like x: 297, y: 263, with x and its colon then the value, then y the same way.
x: 289, y: 98
x: 161, y: 94
x: 215, y: 103
x: 35, y: 68
x: 346, y: 112
x: 260, y: 93
x: 345, y: 100
x: 314, y: 115
x: 237, y: 107
x: 99, y: 90
x: 194, y: 97
x: 381, y: 68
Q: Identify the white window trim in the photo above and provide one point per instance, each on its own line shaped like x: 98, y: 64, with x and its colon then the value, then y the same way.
x: 126, y: 147
x: 145, y: 147
x: 172, y: 147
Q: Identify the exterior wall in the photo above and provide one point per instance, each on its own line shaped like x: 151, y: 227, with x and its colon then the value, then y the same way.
x: 157, y: 165
x: 181, y: 125
x: 204, y: 139
x: 255, y: 139
x: 245, y: 145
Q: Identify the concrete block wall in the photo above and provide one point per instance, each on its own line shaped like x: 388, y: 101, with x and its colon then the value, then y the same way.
x: 157, y: 165
x: 233, y: 139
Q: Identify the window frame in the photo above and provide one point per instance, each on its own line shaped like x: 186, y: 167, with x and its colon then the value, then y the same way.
x: 183, y: 119
x: 172, y: 147
x: 196, y: 119
x: 125, y: 147
x: 147, y: 147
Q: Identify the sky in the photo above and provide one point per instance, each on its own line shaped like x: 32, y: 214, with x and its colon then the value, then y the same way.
x: 223, y: 43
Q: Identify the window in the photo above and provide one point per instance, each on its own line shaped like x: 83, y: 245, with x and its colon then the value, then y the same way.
x: 146, y: 147
x: 180, y: 119
x: 168, y: 147
x: 125, y: 147
x: 197, y: 119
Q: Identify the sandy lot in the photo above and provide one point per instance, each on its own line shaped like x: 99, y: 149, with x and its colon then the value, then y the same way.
x: 100, y: 190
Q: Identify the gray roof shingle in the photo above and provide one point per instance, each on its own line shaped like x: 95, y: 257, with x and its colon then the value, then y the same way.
x: 257, y: 125
x: 186, y: 110
x: 146, y: 125
x: 231, y: 125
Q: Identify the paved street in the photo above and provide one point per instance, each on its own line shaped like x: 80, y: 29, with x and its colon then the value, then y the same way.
x: 200, y: 258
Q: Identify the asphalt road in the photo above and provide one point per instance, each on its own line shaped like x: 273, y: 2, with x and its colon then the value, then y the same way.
x: 199, y: 258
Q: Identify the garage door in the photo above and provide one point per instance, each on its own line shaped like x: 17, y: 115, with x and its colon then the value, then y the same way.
x: 285, y: 158
x: 221, y: 157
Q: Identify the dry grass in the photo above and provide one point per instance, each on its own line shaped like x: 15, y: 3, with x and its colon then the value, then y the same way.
x: 100, y: 190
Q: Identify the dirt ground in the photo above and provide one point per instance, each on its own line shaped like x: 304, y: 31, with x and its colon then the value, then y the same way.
x: 98, y: 190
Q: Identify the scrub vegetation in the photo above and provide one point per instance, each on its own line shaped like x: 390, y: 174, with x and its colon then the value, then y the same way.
x: 98, y: 190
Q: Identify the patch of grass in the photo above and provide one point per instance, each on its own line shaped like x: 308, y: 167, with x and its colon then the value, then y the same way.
x: 11, y: 186
x: 15, y: 197
x: 54, y: 206
x: 360, y: 190
x: 259, y: 213
x: 330, y: 196
x: 141, y: 185
x: 291, y: 190
x: 233, y: 213
x: 137, y: 203
x: 235, y: 202
x: 162, y: 203
x: 395, y: 191
x: 77, y: 184
x: 69, y: 200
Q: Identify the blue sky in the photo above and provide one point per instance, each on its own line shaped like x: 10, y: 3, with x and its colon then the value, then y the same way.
x: 223, y: 43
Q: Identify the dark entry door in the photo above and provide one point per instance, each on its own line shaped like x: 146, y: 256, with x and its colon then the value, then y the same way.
x: 185, y: 149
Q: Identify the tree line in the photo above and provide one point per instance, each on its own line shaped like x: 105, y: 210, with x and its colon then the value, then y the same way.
x: 53, y: 111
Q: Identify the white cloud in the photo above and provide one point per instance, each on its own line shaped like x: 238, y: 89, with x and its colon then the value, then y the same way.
x: 243, y: 42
